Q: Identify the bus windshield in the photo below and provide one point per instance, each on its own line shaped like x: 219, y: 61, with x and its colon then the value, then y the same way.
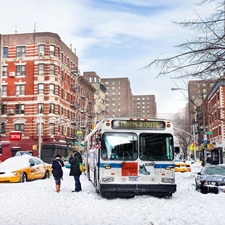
x: 156, y: 146
x: 119, y: 146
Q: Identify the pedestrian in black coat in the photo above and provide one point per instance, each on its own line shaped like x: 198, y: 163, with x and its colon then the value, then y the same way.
x: 75, y: 160
x: 57, y: 171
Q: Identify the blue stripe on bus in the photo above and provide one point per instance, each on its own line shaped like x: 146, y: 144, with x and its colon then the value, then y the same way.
x: 119, y: 165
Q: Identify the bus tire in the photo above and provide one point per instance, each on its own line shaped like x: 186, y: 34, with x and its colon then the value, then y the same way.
x: 88, y: 173
x: 95, y: 183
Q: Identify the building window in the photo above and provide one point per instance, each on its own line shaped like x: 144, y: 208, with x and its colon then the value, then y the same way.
x: 2, y: 129
x: 19, y: 108
x: 52, y: 50
x: 40, y: 88
x: 41, y: 50
x: 52, y: 108
x: 113, y: 82
x: 52, y: 69
x: 52, y: 89
x: 5, y: 52
x: 20, y: 70
x: 4, y: 90
x: 40, y: 108
x: 41, y: 68
x: 59, y: 110
x: 51, y: 128
x: 4, y: 71
x: 20, y: 89
x: 20, y: 51
x: 3, y: 109
x: 58, y: 52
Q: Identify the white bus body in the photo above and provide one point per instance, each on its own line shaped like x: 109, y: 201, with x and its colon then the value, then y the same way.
x: 128, y: 157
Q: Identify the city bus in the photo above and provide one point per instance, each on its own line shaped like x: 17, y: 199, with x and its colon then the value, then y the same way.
x: 126, y: 157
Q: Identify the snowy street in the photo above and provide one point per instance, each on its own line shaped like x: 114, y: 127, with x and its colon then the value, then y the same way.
x: 37, y: 203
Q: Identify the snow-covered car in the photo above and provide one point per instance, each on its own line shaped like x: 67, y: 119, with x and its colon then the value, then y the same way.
x: 180, y: 166
x: 24, y: 168
x: 66, y: 162
x: 211, y: 179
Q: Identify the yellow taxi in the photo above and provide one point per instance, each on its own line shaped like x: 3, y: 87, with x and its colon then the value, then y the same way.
x: 180, y: 166
x: 24, y: 168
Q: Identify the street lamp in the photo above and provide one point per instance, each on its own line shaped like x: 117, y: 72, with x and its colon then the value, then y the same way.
x: 175, y: 89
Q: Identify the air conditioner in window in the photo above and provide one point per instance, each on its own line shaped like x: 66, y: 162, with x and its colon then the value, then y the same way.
x: 41, y: 53
x: 12, y: 74
x: 10, y: 112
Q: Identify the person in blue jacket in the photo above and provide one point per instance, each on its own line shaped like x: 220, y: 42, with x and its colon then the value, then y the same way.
x: 57, y: 171
x: 75, y: 160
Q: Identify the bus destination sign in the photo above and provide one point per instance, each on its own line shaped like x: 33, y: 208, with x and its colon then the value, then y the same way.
x: 138, y: 124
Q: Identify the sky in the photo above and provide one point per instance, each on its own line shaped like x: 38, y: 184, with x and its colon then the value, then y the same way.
x: 114, y: 38
x: 37, y: 203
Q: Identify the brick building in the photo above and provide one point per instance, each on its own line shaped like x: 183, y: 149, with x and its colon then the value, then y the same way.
x: 144, y: 106
x: 216, y: 111
x: 42, y: 92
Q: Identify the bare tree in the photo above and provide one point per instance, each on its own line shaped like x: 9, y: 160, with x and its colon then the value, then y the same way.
x: 202, y: 57
x: 182, y: 132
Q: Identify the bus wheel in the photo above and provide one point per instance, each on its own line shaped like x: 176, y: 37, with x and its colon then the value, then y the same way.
x: 95, y: 183
x: 88, y: 173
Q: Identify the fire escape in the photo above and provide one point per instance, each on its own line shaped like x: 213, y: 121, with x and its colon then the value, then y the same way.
x: 76, y: 104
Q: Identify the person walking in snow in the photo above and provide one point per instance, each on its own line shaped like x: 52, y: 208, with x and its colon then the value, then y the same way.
x: 57, y: 171
x: 75, y: 160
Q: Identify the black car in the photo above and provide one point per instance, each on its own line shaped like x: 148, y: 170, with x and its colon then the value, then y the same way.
x: 211, y: 179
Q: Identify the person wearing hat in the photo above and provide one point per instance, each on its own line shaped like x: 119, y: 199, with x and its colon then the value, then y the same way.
x: 75, y: 160
x: 57, y: 171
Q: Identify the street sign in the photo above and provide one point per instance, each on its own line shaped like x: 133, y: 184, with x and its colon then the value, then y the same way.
x: 15, y: 136
x: 208, y: 132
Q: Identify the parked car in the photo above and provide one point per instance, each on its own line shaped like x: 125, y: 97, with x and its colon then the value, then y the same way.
x: 211, y: 179
x: 180, y: 166
x: 24, y: 168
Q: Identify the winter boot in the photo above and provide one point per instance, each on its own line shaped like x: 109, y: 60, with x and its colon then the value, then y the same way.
x: 57, y: 188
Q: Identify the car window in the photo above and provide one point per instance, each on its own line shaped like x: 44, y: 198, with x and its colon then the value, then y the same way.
x: 38, y: 162
x: 31, y: 161
x: 215, y: 170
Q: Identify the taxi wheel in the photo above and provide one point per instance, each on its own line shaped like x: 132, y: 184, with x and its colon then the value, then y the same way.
x: 23, y: 178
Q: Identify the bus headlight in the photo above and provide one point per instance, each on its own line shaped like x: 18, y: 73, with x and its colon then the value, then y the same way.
x: 168, y: 180
x: 107, y: 179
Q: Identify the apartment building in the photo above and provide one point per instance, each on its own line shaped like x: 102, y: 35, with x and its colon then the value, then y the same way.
x: 99, y: 96
x: 197, y: 92
x: 144, y: 106
x: 117, y: 100
x: 43, y: 94
x: 118, y: 97
x: 216, y: 112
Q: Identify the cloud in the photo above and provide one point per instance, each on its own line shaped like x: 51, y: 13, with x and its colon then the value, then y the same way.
x: 114, y: 38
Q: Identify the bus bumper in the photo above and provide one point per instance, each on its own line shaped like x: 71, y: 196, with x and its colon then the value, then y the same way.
x: 130, y: 190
